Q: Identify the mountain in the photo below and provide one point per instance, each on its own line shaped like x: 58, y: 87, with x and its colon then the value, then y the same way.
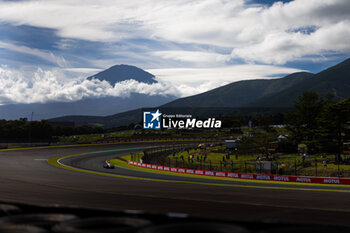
x: 335, y: 79
x: 115, y: 120
x: 92, y: 106
x: 221, y: 101
x: 119, y: 73
x: 243, y: 97
x: 239, y: 94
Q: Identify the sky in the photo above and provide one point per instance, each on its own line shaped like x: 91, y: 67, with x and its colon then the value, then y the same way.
x: 49, y: 47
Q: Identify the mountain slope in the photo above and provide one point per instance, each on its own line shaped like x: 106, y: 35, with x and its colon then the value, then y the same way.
x: 240, y: 93
x: 222, y: 98
x: 119, y: 119
x: 277, y: 93
x: 95, y: 107
x: 119, y: 73
x: 335, y: 79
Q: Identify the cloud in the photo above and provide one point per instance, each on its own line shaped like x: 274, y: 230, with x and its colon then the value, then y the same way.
x: 253, y: 32
x: 202, y: 58
x: 219, y: 75
x: 44, y: 55
x: 89, y: 71
x: 51, y: 85
x: 44, y: 86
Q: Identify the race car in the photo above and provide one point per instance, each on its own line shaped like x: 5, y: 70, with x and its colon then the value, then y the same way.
x: 108, y: 165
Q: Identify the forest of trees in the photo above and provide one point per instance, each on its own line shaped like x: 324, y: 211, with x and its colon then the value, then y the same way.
x: 321, y: 124
x: 23, y: 130
x: 318, y: 125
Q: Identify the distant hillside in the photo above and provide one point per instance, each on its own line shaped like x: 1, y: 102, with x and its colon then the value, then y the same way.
x: 90, y: 106
x: 244, y: 97
x: 242, y: 92
x: 120, y: 119
x: 239, y: 94
x: 335, y: 79
x: 120, y: 73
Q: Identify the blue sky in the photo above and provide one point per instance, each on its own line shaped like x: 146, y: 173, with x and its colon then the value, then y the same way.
x: 191, y: 46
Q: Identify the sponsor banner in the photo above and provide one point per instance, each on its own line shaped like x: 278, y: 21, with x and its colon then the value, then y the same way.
x: 173, y: 169
x: 247, y: 176
x: 199, y: 172
x: 331, y: 181
x: 232, y: 175
x: 263, y: 177
x: 189, y: 171
x: 221, y: 174
x: 209, y: 173
x: 303, y: 179
x: 281, y: 178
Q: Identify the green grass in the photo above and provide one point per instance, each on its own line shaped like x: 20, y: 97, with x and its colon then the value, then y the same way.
x: 83, y: 138
x: 122, y: 134
x: 247, y: 163
x: 123, y: 164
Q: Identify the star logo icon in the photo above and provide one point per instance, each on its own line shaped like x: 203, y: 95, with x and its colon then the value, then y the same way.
x: 156, y: 115
x: 151, y: 119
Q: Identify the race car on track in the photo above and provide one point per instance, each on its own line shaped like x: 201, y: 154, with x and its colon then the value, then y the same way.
x: 108, y: 165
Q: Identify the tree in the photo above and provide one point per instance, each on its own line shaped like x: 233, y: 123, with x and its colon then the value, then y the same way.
x: 334, y: 122
x: 304, y: 121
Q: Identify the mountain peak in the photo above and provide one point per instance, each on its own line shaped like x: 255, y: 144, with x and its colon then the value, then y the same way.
x: 123, y: 72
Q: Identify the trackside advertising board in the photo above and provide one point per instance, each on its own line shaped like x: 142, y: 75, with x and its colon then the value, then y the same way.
x: 281, y: 178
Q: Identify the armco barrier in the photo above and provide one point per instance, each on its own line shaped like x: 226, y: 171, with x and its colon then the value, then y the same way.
x: 282, y: 178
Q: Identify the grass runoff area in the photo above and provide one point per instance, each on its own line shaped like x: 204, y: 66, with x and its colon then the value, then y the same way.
x: 218, y: 159
x: 121, y: 162
x: 286, y: 164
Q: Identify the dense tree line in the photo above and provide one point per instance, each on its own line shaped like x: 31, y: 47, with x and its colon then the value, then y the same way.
x: 319, y: 123
x: 23, y: 130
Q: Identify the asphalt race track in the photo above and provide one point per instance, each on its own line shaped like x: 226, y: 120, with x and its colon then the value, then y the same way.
x: 27, y: 177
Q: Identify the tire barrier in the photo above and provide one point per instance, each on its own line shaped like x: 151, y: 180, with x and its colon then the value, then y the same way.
x: 59, y: 219
x: 6, y: 210
x: 104, y: 225
x: 39, y: 220
x: 10, y: 228
x: 247, y: 176
x: 306, y: 229
x: 202, y: 227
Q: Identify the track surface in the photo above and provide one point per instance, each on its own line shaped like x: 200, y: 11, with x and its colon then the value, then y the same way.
x: 26, y: 176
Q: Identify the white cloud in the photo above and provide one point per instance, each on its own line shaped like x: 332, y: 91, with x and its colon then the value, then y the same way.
x: 256, y: 33
x: 88, y: 71
x: 218, y: 76
x: 197, y: 57
x: 52, y: 85
x: 45, y: 55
